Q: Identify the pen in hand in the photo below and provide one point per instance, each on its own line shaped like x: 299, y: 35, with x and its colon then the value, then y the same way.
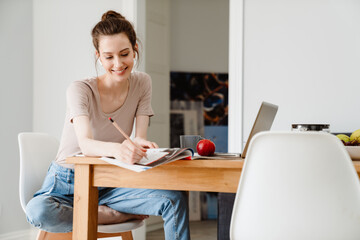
x: 123, y: 133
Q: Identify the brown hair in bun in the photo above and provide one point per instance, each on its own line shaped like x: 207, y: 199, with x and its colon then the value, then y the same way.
x: 113, y: 23
x: 111, y: 14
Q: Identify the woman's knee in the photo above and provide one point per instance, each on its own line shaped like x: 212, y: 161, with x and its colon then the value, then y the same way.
x: 48, y: 213
x: 36, y: 212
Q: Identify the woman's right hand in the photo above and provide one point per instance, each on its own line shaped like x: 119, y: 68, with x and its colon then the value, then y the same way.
x: 129, y: 153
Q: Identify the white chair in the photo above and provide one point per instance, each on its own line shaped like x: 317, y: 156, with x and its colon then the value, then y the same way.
x: 297, y: 185
x: 37, y: 150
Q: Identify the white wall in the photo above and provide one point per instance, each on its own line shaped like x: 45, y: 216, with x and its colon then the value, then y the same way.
x: 235, y: 117
x: 157, y: 65
x: 15, y: 103
x: 305, y: 57
x: 199, y: 39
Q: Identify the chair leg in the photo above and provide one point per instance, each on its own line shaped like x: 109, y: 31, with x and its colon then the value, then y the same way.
x: 127, y: 236
x: 123, y: 235
x: 42, y: 235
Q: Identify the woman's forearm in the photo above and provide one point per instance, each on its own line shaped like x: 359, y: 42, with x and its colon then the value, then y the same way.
x: 91, y: 147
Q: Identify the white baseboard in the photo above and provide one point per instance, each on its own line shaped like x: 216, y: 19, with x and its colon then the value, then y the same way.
x: 27, y: 234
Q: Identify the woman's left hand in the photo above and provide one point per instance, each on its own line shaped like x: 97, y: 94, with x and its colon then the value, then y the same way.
x: 145, y: 143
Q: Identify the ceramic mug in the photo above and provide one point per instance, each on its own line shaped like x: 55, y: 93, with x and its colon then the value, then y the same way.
x: 189, y: 141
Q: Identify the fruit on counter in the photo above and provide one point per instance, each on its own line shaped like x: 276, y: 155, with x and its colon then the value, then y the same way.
x: 343, y: 137
x: 352, y: 143
x: 353, y: 140
x: 355, y: 136
x: 205, y: 147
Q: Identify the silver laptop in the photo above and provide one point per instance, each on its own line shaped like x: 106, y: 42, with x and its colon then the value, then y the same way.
x: 263, y: 122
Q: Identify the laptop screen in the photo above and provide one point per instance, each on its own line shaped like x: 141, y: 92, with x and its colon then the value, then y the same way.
x: 263, y: 122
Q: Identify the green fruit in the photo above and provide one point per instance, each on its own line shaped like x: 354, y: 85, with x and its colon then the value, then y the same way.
x: 344, y: 137
x: 355, y: 136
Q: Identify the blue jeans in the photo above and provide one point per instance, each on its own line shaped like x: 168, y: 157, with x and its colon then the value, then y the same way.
x: 51, y: 209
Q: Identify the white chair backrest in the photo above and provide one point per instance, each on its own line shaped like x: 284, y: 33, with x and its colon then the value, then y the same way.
x: 297, y: 185
x: 37, y: 150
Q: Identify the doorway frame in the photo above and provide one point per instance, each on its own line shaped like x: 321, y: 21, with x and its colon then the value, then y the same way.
x: 236, y: 75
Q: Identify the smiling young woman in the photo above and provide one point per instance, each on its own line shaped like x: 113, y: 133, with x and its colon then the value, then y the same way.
x: 123, y: 95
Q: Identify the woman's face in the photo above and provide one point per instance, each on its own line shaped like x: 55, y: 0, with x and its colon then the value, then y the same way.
x: 116, y: 56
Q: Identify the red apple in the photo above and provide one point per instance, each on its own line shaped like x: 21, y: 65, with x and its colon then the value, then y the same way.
x: 205, y: 147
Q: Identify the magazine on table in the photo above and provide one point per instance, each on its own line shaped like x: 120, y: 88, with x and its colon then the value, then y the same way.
x: 155, y: 157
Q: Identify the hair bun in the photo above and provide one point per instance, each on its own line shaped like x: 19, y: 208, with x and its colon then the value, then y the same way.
x: 111, y: 14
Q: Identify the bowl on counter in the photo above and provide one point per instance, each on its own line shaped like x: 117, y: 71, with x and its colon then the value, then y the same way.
x: 354, y: 152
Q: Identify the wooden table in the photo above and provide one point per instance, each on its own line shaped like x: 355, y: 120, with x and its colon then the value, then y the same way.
x: 195, y: 175
x: 186, y: 175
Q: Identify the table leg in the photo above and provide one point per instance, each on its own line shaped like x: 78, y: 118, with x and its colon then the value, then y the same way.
x: 225, y: 206
x: 85, y: 204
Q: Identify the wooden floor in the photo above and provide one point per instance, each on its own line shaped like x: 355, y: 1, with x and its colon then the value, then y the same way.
x: 199, y: 230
